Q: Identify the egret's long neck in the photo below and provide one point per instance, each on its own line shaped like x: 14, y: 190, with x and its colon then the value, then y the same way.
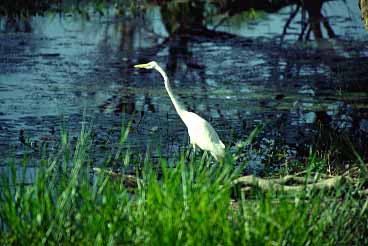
x: 178, y: 106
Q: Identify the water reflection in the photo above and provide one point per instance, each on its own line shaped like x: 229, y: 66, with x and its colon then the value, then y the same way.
x: 293, y: 20
x: 68, y: 66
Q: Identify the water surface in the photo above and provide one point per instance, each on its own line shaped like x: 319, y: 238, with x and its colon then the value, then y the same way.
x: 67, y: 70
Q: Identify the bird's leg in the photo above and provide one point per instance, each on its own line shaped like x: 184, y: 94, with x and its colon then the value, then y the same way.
x: 194, y: 148
x: 188, y: 154
x: 190, y: 149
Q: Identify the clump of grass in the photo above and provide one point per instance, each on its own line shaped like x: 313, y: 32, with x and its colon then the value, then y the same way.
x: 190, y: 202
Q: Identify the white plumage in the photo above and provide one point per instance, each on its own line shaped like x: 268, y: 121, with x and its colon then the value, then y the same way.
x: 201, y: 133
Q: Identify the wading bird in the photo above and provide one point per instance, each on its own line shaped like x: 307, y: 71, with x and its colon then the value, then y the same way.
x: 201, y: 133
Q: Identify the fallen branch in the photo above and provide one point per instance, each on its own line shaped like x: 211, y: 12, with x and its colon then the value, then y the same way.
x: 129, y: 181
x: 290, y: 183
x: 363, y: 4
x: 295, y: 179
x: 249, y: 182
x: 363, y: 192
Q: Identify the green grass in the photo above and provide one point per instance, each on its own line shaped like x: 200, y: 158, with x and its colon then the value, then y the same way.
x: 189, y: 202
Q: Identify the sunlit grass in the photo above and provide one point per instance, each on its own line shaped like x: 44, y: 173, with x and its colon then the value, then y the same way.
x: 187, y: 202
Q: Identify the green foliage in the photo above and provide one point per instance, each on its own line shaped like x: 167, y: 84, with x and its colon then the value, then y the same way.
x: 188, y: 202
x: 23, y: 8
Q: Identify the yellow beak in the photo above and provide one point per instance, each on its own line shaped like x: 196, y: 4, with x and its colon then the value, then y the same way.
x: 141, y: 66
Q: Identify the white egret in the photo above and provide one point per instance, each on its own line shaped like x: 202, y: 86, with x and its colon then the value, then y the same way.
x: 201, y: 133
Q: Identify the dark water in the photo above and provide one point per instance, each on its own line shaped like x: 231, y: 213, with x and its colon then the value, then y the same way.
x: 66, y: 70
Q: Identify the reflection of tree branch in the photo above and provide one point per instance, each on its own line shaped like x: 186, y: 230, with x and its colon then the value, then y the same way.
x: 287, y: 24
x: 303, y: 24
x: 151, y: 52
x: 329, y: 29
x: 307, y: 37
x: 153, y: 32
x: 224, y: 19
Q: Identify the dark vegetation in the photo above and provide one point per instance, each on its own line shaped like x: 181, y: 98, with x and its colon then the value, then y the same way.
x: 175, y: 13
